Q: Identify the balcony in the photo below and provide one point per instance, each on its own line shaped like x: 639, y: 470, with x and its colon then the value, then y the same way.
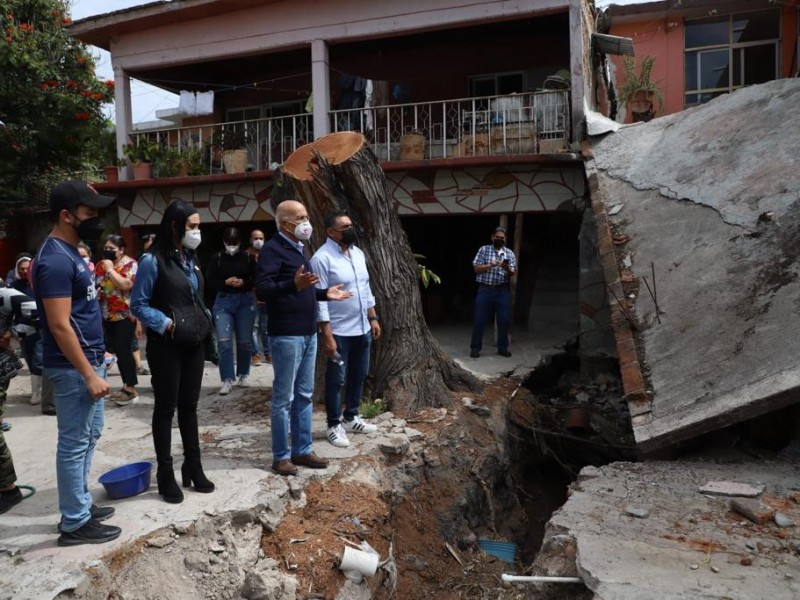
x: 511, y: 125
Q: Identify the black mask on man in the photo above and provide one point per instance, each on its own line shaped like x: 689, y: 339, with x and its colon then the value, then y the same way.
x: 110, y: 254
x: 349, y: 236
x: 498, y: 243
x: 91, y: 229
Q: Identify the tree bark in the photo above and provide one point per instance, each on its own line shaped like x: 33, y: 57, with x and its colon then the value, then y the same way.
x: 340, y: 172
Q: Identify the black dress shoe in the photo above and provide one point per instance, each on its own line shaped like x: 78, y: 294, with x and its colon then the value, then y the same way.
x: 474, y: 354
x: 505, y: 353
x: 91, y: 532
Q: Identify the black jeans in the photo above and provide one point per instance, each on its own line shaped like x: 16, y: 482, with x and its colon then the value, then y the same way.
x: 177, y: 375
x: 120, y: 336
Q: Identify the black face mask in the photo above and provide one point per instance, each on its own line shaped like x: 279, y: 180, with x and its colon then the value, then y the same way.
x: 91, y: 229
x: 499, y: 243
x: 349, y: 236
x: 110, y: 254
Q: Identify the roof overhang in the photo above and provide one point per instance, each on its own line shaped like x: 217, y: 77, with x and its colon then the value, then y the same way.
x: 692, y: 9
x: 612, y: 44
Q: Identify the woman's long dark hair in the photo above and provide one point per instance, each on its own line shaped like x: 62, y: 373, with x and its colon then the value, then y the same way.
x: 170, y: 231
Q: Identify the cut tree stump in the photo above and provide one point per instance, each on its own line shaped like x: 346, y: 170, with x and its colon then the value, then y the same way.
x: 339, y: 172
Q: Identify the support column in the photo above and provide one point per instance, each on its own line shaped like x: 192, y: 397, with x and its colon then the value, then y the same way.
x: 517, y: 249
x: 320, y: 87
x: 122, y: 110
x: 579, y: 41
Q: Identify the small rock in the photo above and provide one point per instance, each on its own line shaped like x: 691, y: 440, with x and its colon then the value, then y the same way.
x: 782, y: 521
x: 214, y: 559
x: 732, y: 488
x: 398, y: 430
x: 466, y: 401
x: 789, y: 576
x: 614, y: 209
x: 398, y: 422
x: 714, y: 569
x: 216, y: 548
x: 181, y: 528
x: 590, y: 471
x: 396, y: 445
x: 414, y: 435
x: 640, y: 512
x: 480, y: 409
x: 387, y: 416
x: 750, y: 545
x: 758, y: 512
x: 694, y: 567
x: 746, y: 561
x: 295, y: 488
x: 195, y: 561
x: 160, y: 541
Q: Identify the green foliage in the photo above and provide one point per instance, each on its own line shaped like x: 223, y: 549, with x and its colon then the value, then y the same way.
x: 229, y: 137
x: 371, y: 409
x: 51, y: 102
x: 639, y: 82
x: 142, y: 150
x: 426, y: 276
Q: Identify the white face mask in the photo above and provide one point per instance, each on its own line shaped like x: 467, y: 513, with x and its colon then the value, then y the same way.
x: 191, y: 239
x: 302, y: 231
x: 258, y: 244
x: 231, y: 249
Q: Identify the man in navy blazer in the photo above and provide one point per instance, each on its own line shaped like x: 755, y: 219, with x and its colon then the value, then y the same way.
x: 284, y: 280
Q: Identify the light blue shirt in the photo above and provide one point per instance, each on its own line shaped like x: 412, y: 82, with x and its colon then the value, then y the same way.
x: 142, y: 292
x: 333, y: 266
x: 298, y: 244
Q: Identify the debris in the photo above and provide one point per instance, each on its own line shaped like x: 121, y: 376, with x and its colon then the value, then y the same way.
x: 160, y: 541
x: 453, y: 553
x: 614, y: 209
x: 713, y: 568
x: 398, y: 422
x: 782, y: 521
x: 478, y: 409
x: 216, y: 548
x: 756, y: 511
x: 395, y: 445
x: 295, y: 488
x: 746, y: 561
x: 299, y: 540
x: 732, y: 488
x: 694, y: 567
x: 414, y: 435
x: 640, y: 512
x: 619, y: 240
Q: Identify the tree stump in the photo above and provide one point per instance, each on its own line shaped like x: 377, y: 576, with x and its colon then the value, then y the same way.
x: 340, y: 172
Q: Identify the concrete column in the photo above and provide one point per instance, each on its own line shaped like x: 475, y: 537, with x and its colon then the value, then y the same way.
x: 320, y: 87
x: 122, y: 110
x: 578, y: 66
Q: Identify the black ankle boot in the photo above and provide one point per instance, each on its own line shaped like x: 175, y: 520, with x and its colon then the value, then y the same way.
x: 168, y: 487
x: 192, y: 472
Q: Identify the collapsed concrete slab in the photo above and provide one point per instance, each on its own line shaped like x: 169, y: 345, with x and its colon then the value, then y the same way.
x: 703, y: 207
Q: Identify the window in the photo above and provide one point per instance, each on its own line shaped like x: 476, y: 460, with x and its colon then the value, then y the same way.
x: 726, y: 53
x: 497, y: 84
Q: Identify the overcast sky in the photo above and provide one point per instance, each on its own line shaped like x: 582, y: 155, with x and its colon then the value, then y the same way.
x: 146, y: 99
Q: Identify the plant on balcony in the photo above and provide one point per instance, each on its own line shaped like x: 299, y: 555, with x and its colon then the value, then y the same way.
x: 638, y: 92
x: 231, y: 141
x: 175, y: 163
x: 142, y: 154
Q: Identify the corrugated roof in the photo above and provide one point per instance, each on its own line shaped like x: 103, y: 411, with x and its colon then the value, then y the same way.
x: 612, y: 44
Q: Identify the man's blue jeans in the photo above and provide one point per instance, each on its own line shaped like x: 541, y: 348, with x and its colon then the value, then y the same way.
x: 293, y: 361
x: 80, y: 422
x: 234, y: 315
x: 354, y: 351
x: 261, y: 344
x: 491, y: 300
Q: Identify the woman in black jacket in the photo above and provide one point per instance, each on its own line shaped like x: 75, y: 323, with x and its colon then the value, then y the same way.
x: 231, y: 274
x: 166, y: 299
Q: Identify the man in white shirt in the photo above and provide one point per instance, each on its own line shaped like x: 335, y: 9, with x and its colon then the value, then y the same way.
x: 347, y: 327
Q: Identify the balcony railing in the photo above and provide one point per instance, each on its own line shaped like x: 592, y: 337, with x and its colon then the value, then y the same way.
x: 517, y: 124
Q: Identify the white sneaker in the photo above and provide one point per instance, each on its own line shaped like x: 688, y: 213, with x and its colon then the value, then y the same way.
x: 338, y: 437
x: 243, y: 381
x: 359, y: 425
x: 226, y: 388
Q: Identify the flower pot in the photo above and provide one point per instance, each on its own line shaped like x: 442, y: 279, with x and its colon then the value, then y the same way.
x: 112, y: 173
x: 234, y: 161
x: 142, y: 170
x: 641, y: 102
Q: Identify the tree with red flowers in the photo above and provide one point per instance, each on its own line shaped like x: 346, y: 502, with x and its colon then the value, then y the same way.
x: 50, y: 99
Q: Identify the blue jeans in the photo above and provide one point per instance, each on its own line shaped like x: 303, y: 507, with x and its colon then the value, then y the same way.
x: 80, y: 422
x: 491, y: 300
x: 32, y: 350
x: 261, y: 343
x: 293, y: 361
x: 354, y: 351
x: 234, y: 315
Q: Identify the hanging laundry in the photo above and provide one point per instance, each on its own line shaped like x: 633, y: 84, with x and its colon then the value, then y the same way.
x: 187, y: 104
x: 205, y: 103
x: 194, y: 104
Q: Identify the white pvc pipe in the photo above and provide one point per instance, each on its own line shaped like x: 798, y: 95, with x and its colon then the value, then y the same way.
x: 540, y: 579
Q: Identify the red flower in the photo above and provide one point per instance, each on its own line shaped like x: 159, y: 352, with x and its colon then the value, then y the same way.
x: 82, y: 116
x: 81, y: 60
x: 9, y: 40
x: 110, y: 84
x: 66, y: 21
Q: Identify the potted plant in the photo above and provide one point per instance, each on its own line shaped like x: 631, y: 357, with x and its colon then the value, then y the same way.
x: 142, y: 153
x: 231, y: 140
x: 638, y: 92
x: 109, y: 155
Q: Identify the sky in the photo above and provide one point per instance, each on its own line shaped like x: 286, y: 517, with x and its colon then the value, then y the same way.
x: 146, y: 99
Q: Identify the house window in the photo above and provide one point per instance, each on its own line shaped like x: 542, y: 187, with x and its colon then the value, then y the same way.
x: 726, y: 53
x: 497, y: 84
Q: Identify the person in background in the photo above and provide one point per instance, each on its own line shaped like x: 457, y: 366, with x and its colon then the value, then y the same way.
x: 72, y: 337
x: 114, y: 277
x: 166, y: 298
x: 86, y: 254
x: 261, y: 351
x: 231, y: 274
x: 347, y: 328
x: 147, y: 243
x: 10, y: 494
x: 494, y: 266
x: 285, y: 282
x: 30, y: 340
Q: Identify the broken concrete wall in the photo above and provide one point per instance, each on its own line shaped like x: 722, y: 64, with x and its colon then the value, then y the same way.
x: 710, y: 199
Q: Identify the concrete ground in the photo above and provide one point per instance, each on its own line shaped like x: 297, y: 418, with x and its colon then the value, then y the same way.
x: 235, y: 442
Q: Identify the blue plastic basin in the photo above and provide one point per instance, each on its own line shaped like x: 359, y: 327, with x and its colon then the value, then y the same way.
x: 506, y: 551
x: 128, y: 480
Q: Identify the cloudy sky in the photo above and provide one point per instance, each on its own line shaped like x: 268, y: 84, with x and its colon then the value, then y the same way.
x: 145, y: 99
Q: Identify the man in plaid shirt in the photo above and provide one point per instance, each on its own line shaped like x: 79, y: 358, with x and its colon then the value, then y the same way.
x: 494, y: 265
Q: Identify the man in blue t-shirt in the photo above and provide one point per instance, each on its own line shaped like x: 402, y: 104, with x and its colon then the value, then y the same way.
x: 72, y: 337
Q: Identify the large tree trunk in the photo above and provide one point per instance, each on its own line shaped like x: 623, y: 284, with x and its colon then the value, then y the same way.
x: 340, y: 172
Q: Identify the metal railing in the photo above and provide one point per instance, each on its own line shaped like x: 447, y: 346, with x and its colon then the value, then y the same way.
x: 490, y: 126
